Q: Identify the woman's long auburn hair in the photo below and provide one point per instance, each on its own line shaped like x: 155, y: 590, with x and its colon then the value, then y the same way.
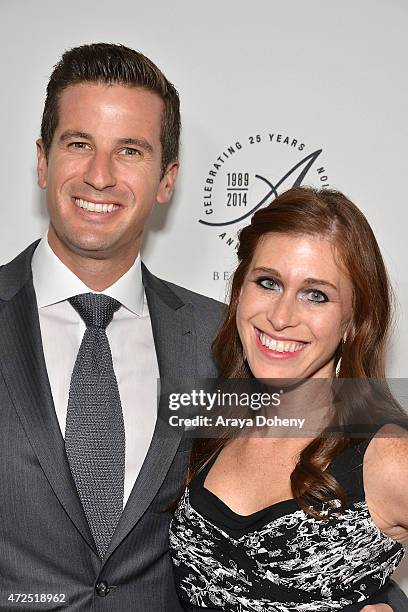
x: 327, y: 214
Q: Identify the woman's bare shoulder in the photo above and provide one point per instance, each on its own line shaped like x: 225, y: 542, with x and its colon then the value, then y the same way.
x: 386, y: 478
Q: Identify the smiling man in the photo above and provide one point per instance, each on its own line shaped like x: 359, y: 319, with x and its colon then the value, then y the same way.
x: 88, y: 472
x: 102, y: 172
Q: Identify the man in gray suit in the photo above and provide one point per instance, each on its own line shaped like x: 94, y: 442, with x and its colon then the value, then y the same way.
x: 108, y: 152
x: 87, y: 471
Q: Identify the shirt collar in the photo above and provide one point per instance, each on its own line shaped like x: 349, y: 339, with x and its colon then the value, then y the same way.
x: 54, y: 282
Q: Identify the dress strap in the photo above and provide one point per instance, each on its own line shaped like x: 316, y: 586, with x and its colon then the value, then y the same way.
x: 347, y: 467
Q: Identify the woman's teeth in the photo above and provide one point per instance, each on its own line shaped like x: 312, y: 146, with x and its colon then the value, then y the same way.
x: 279, y: 346
x: 92, y: 207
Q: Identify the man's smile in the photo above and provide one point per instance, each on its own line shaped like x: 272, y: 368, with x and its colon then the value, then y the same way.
x: 98, y: 207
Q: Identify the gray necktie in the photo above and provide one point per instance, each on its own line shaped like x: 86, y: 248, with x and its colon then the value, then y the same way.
x: 95, y: 432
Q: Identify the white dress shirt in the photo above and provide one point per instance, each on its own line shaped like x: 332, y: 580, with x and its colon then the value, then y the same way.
x: 131, y: 341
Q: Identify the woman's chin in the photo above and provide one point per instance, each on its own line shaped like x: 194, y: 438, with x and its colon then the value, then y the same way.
x: 276, y: 373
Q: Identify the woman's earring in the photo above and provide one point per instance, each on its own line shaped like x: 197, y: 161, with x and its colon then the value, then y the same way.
x: 339, y: 353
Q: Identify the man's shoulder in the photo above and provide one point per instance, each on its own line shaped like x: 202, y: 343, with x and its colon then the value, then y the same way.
x: 208, y: 313
x: 196, y: 299
x: 201, y: 303
x: 16, y: 272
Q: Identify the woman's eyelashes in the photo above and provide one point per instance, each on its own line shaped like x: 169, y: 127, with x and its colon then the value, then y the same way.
x: 316, y: 296
x: 312, y: 295
x: 268, y: 283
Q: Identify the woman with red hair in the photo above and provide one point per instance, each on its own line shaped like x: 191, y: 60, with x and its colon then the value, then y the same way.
x: 311, y: 523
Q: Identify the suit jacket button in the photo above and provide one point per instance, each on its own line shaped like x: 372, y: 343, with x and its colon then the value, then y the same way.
x: 102, y: 589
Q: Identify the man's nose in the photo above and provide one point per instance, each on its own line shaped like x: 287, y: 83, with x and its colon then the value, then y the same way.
x: 99, y: 172
x: 283, y: 312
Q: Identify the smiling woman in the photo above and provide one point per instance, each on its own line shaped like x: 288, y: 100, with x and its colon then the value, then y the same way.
x: 311, y: 524
x: 292, y: 317
x: 329, y: 230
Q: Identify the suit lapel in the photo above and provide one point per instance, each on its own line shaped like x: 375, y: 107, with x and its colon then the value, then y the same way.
x: 175, y: 342
x: 23, y: 366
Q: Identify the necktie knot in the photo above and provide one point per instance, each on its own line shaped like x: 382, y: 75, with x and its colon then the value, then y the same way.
x: 96, y: 309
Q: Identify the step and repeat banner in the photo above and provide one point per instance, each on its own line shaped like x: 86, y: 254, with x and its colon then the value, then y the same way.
x: 272, y: 93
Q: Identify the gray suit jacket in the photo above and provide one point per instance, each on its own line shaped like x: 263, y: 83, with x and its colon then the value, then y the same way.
x: 45, y: 543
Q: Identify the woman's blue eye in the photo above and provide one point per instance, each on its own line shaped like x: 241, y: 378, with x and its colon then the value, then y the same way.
x: 317, y: 296
x: 267, y: 283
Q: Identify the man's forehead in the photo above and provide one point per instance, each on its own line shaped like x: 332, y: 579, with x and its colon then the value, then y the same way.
x: 89, y: 107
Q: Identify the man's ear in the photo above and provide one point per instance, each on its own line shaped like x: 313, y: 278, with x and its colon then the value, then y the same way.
x: 166, y: 186
x: 42, y: 166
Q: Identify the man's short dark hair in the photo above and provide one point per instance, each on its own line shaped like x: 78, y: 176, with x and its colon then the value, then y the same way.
x: 113, y: 64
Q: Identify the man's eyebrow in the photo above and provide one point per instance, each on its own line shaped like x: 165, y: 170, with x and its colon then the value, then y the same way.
x: 142, y: 143
x: 68, y: 134
x: 307, y: 281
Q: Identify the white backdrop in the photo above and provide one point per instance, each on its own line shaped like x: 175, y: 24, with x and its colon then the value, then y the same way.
x: 253, y: 77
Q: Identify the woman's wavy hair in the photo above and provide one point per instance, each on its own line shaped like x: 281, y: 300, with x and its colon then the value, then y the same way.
x: 327, y: 214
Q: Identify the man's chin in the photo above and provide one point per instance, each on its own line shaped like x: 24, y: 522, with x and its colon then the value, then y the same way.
x: 93, y: 247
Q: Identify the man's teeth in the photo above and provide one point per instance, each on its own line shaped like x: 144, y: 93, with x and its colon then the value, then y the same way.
x: 92, y: 207
x: 279, y: 346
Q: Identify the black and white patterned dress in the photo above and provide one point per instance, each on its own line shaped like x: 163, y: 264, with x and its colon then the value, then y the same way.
x: 280, y: 559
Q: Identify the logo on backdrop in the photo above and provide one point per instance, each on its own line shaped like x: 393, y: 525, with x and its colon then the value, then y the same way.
x: 251, y: 173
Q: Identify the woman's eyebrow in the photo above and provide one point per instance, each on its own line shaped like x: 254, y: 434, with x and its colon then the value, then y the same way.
x: 267, y: 271
x: 319, y: 281
x: 307, y: 281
